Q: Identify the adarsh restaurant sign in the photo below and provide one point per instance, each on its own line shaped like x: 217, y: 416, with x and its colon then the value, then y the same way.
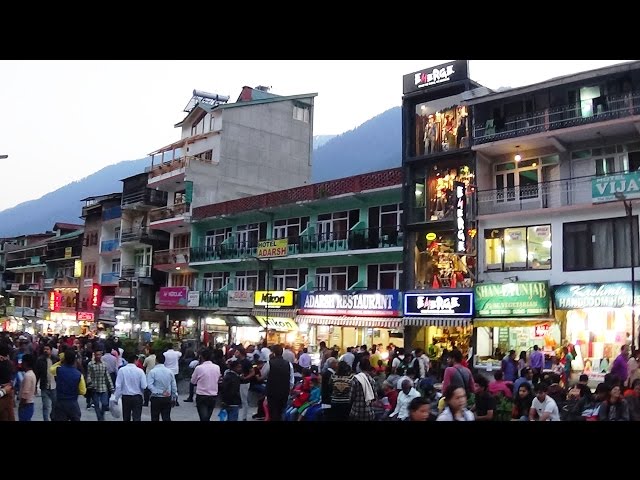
x: 370, y: 303
x: 598, y: 295
x: 429, y: 77
x: 518, y: 299
x: 458, y: 304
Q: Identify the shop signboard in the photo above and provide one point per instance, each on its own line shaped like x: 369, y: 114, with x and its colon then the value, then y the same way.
x: 370, y: 303
x: 273, y: 248
x: 68, y: 251
x: 174, y: 296
x: 516, y: 299
x: 430, y: 77
x: 541, y: 330
x: 449, y: 304
x: 77, y: 268
x: 273, y: 299
x: 124, y: 302
x: 240, y: 298
x: 193, y: 299
x: 85, y: 316
x: 598, y: 295
x: 107, y: 311
x: 460, y: 227
x: 277, y: 323
x: 87, y: 282
x: 605, y: 188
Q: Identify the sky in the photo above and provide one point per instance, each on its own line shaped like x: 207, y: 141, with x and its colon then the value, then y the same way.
x: 63, y: 120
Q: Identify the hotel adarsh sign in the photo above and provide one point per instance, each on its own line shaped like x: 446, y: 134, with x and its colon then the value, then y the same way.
x: 273, y: 248
x: 519, y: 299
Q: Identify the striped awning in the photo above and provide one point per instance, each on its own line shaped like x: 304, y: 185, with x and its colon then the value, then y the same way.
x: 371, y: 322
x: 274, y: 312
x: 436, y: 321
x: 512, y: 322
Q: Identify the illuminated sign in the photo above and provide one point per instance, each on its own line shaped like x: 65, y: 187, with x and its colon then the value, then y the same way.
x: 278, y: 324
x: 95, y: 295
x: 439, y: 304
x: 431, y: 236
x: 542, y: 330
x: 430, y: 77
x: 273, y: 248
x: 55, y: 299
x: 77, y: 268
x: 350, y: 302
x: 68, y: 251
x: 283, y: 298
x: 85, y: 316
x: 461, y: 234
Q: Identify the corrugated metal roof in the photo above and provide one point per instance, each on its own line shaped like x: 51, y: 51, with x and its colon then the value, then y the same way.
x: 266, y: 100
x: 66, y: 236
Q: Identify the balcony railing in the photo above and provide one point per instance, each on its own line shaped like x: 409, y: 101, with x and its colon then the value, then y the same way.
x: 135, y: 235
x: 559, y: 193
x: 360, y: 239
x: 145, y: 197
x: 213, y: 299
x: 61, y: 253
x: 109, y: 245
x: 164, y: 213
x: 111, y: 213
x: 596, y: 110
x: 133, y: 271
x: 109, y: 278
x: 172, y: 256
x: 171, y: 165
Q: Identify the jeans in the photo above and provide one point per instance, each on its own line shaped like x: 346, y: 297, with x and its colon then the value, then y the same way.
x: 66, y: 411
x: 160, y: 406
x: 233, y: 414
x: 25, y: 412
x: 100, y: 404
x: 192, y: 390
x: 205, y: 405
x: 48, y: 403
x: 176, y: 377
x: 244, y: 396
x: 132, y: 407
x: 523, y: 418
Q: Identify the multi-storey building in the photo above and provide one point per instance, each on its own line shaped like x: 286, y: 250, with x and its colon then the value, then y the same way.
x: 439, y: 168
x: 556, y: 164
x: 260, y: 143
x: 303, y: 265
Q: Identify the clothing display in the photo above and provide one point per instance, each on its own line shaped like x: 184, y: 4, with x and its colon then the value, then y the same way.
x: 442, y: 130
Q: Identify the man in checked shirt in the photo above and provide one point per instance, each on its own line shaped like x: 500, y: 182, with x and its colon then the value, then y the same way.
x: 99, y: 380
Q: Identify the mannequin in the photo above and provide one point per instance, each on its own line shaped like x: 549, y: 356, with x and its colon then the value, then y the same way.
x: 430, y: 136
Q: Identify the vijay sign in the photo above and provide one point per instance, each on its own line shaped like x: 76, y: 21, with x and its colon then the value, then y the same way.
x: 604, y: 189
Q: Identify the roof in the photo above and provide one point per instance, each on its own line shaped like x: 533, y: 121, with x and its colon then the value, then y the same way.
x: 553, y: 82
x: 67, y: 226
x: 66, y: 236
x: 101, y: 197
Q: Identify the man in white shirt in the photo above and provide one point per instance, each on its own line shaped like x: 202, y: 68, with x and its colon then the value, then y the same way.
x: 543, y: 407
x: 171, y: 358
x: 288, y: 354
x: 205, y: 377
x: 148, y: 365
x: 130, y: 385
x: 305, y: 359
x: 348, y: 357
x: 407, y: 394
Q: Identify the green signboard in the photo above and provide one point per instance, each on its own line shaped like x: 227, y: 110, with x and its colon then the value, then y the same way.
x: 604, y: 189
x: 518, y: 299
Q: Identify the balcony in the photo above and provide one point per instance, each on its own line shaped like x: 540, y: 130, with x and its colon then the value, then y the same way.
x: 174, y: 165
x: 135, y: 271
x: 171, y: 257
x: 109, y: 245
x: 111, y: 278
x: 359, y: 239
x: 165, y: 213
x: 146, y: 198
x: 140, y: 235
x: 559, y: 193
x: 64, y: 253
x: 596, y: 110
x: 213, y: 299
x: 111, y: 213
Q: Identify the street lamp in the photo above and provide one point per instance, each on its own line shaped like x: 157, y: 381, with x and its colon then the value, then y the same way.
x: 628, y: 207
x: 130, y: 282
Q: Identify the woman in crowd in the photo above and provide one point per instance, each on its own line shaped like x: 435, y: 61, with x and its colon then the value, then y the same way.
x: 522, y: 403
x: 615, y: 408
x: 341, y: 392
x: 456, y: 409
x: 419, y: 410
x: 522, y: 362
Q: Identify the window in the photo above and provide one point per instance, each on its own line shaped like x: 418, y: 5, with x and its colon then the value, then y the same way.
x: 212, y: 122
x: 214, y: 281
x: 116, y: 233
x: 248, y: 235
x: 115, y: 265
x: 205, y: 156
x: 518, y: 248
x: 517, y: 180
x: 289, y: 278
x: 89, y: 270
x: 331, y: 278
x: 290, y: 228
x: 181, y: 241
x: 182, y: 280
x: 634, y: 161
x: 391, y: 217
x: 90, y: 239
x: 386, y: 276
x: 301, y: 113
x: 332, y: 226
x: 180, y: 197
x: 247, y: 280
x: 599, y: 244
x: 216, y: 237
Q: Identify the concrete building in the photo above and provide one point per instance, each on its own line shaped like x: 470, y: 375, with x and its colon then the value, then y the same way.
x: 557, y: 163
x: 257, y: 261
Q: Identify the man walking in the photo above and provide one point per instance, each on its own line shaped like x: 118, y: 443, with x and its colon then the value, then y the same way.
x: 130, y: 385
x: 164, y: 391
x: 171, y: 361
x: 27, y: 389
x: 536, y: 361
x: 279, y: 375
x: 245, y: 381
x: 205, y: 377
x: 147, y: 366
x: 47, y: 382
x: 69, y: 384
x: 99, y: 382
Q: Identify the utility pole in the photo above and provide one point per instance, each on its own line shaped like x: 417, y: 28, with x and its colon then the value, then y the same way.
x: 628, y: 207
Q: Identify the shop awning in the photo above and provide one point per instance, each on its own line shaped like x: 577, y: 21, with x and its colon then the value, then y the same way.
x: 274, y: 312
x: 436, y: 321
x: 279, y: 324
x: 240, y: 321
x: 371, y: 322
x: 512, y: 322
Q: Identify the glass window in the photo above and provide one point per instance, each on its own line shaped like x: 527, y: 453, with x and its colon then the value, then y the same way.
x: 518, y: 248
x: 605, y: 166
x: 441, y: 125
x: 515, y: 248
x: 539, y: 247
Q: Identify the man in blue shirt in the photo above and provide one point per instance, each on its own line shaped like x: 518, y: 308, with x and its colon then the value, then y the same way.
x: 164, y: 391
x: 527, y: 375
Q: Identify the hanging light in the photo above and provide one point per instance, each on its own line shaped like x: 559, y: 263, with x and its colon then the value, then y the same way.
x: 518, y: 157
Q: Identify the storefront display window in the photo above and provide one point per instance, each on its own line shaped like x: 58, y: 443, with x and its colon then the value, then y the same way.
x: 518, y: 248
x: 437, y: 192
x: 441, y: 126
x: 438, y: 265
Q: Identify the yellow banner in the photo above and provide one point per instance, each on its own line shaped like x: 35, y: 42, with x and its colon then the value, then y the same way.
x: 68, y: 251
x: 77, y: 268
x: 273, y: 248
x: 283, y: 298
x: 279, y: 324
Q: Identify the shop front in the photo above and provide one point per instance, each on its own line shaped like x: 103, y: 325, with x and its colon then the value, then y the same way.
x: 513, y: 316
x: 275, y: 313
x: 346, y: 318
x: 597, y: 319
x: 438, y: 320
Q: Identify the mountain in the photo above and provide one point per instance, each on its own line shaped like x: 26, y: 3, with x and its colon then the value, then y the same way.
x: 374, y: 145
x: 319, y: 140
x: 63, y: 204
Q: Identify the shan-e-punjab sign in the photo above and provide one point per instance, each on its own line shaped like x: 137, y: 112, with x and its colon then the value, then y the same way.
x: 625, y: 185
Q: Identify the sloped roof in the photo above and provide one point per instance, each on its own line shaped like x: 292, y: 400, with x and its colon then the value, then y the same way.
x: 66, y: 236
x: 67, y: 226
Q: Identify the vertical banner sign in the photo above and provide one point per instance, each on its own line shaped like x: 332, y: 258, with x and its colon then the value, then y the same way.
x: 68, y: 252
x: 77, y: 268
x: 95, y: 295
x: 461, y: 231
x: 188, y: 191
